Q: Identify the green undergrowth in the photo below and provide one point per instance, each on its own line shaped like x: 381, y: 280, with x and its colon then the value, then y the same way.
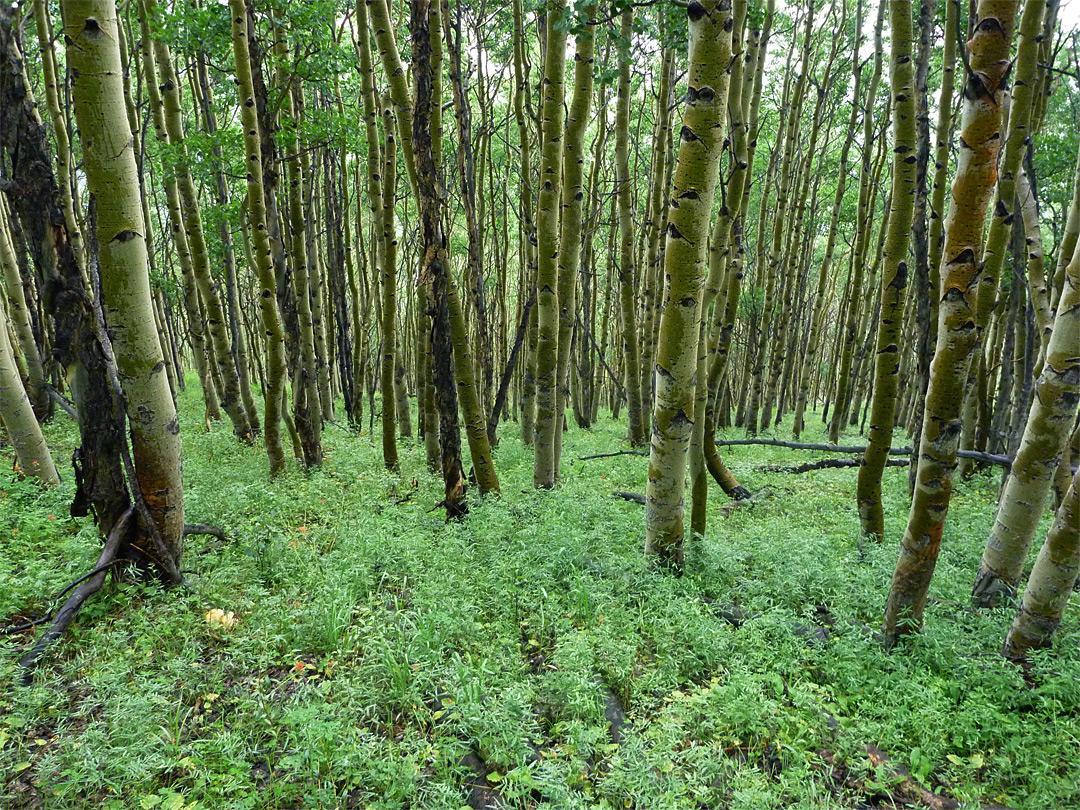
x: 375, y: 645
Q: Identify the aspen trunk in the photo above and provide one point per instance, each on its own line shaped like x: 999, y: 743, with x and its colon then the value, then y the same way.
x: 894, y: 274
x: 570, y: 215
x: 627, y: 292
x: 17, y: 414
x: 1049, y: 426
x: 980, y: 143
x: 547, y: 236
x: 685, y: 265
x: 112, y: 177
x: 264, y: 260
x: 1051, y: 582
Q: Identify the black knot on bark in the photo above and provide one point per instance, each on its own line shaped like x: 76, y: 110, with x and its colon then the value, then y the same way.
x: 92, y: 28
x: 124, y: 236
x: 695, y: 11
x: 673, y: 231
x: 965, y: 256
x: 687, y: 134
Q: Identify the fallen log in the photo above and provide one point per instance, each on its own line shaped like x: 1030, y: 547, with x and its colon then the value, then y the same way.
x: 828, y: 464
x: 974, y: 455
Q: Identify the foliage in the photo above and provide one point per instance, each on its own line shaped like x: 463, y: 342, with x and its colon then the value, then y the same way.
x: 375, y: 644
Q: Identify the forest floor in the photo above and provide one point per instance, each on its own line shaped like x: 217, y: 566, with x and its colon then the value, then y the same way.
x: 528, y: 655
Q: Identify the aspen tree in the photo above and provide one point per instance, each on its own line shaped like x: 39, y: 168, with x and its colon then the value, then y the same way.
x: 112, y: 177
x: 817, y: 321
x: 388, y: 286
x: 685, y: 265
x: 374, y: 177
x: 231, y: 400
x: 1049, y: 426
x: 651, y: 268
x: 1051, y: 582
x: 769, y: 260
x: 863, y: 229
x: 627, y: 293
x: 980, y: 143
x: 547, y: 237
x: 60, y: 128
x: 264, y: 261
x: 307, y: 412
x: 528, y: 231
x: 894, y: 273
x: 239, y: 340
x: 570, y: 213
x: 745, y: 145
x: 1004, y: 208
x: 699, y: 483
x: 17, y: 415
x: 781, y: 357
x: 200, y: 350
x: 19, y: 316
x: 433, y: 269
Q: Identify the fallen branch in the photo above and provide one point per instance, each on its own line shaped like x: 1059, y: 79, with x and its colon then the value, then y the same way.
x: 66, y: 615
x: 828, y: 464
x: 908, y: 787
x: 974, y: 455
x: 65, y: 405
x: 825, y: 448
x: 636, y: 497
x: 204, y: 528
x: 616, y: 453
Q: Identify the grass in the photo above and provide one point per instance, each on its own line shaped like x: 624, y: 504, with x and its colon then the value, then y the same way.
x: 375, y: 645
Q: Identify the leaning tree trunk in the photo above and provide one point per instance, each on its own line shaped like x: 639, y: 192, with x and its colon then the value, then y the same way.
x: 1051, y: 582
x: 894, y: 275
x: 1049, y: 427
x: 112, y: 177
x: 20, y: 317
x: 980, y: 144
x: 17, y: 415
x: 685, y: 265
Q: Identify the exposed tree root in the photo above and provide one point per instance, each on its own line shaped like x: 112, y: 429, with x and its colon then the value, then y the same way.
x: 66, y: 615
